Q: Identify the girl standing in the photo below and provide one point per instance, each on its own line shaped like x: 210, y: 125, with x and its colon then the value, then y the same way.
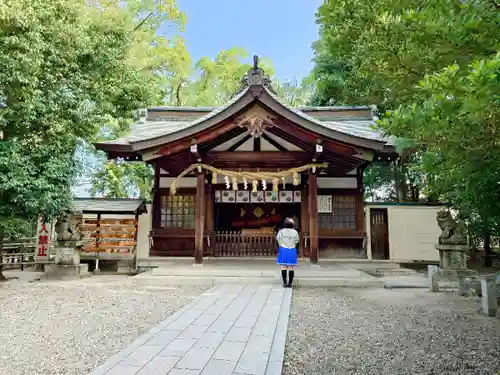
x: 287, y: 238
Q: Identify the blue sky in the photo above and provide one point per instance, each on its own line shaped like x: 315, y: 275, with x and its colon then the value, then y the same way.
x: 282, y: 30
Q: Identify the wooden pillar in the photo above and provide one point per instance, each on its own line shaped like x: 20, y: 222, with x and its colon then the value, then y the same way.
x: 156, y: 198
x: 360, y: 213
x: 360, y: 202
x: 313, y: 217
x: 209, y: 214
x: 200, y: 218
x: 304, y: 222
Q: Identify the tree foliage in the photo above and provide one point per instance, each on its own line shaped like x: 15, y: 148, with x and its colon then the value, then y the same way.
x: 209, y: 82
x: 458, y: 123
x: 377, y: 52
x: 69, y: 71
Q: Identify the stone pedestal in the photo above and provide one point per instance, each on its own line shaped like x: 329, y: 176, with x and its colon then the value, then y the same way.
x: 65, y: 272
x: 453, y: 257
x: 453, y: 267
x: 69, y: 256
x: 67, y: 262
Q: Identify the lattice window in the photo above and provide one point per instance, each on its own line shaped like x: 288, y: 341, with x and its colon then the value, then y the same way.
x: 178, y: 211
x: 343, y: 215
x: 344, y: 212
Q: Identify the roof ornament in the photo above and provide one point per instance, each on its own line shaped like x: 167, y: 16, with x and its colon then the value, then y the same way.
x: 255, y: 62
x: 255, y: 77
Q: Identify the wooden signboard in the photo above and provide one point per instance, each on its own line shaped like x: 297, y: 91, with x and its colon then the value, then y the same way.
x: 324, y: 204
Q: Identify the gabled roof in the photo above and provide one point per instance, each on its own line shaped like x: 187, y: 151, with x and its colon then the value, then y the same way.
x: 350, y: 125
x: 119, y: 206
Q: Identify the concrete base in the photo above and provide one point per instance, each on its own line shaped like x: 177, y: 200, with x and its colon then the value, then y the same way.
x: 65, y: 272
x: 456, y: 275
x: 39, y: 268
x: 263, y: 272
x: 359, y: 264
x: 437, y: 276
x: 125, y: 267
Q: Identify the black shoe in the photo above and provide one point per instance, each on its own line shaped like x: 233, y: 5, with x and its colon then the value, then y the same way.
x: 288, y: 285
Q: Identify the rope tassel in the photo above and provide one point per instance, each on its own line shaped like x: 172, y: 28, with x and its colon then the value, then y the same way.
x: 255, y: 177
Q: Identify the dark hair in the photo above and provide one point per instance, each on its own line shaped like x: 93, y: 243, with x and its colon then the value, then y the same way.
x: 288, y: 223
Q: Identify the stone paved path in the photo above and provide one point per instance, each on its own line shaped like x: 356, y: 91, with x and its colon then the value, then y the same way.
x: 228, y: 330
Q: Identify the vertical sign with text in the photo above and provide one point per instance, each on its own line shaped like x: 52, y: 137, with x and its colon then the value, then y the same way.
x: 43, y: 240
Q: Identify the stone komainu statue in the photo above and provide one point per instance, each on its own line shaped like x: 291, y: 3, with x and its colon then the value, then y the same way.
x: 452, y: 232
x: 68, y: 227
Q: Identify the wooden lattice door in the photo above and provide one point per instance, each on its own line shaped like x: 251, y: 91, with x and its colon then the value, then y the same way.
x: 379, y: 233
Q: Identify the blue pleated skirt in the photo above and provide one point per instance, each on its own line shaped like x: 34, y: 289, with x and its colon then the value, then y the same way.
x: 287, y: 256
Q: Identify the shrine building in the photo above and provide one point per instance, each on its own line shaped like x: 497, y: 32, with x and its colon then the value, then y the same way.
x: 225, y: 178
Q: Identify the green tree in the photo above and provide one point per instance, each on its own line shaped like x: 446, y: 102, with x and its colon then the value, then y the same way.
x: 376, y: 53
x: 68, y: 70
x: 209, y: 82
x: 457, y: 122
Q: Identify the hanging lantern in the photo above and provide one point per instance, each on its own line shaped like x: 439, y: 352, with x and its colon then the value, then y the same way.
x: 235, y: 183
x: 214, y: 178
x: 276, y: 184
x: 245, y: 184
x: 255, y: 184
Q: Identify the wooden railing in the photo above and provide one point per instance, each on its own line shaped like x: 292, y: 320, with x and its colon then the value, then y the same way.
x: 236, y: 244
x: 18, y: 253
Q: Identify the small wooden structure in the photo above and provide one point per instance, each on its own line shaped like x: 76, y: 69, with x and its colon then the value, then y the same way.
x: 255, y: 132
x: 19, y: 253
x: 109, y: 226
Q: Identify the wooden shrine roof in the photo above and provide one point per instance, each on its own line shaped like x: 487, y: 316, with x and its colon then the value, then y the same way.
x: 163, y: 125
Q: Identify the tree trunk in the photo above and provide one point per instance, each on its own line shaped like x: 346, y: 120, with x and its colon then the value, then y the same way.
x: 400, y: 181
x: 2, y: 277
x: 488, y: 262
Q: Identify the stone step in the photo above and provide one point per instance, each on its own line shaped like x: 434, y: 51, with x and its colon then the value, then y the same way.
x: 205, y: 271
x: 353, y: 282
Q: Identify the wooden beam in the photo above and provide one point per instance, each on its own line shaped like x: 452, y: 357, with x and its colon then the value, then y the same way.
x: 313, y: 218
x: 256, y: 144
x: 264, y: 159
x: 311, y: 138
x: 342, y: 163
x: 200, y: 218
x: 239, y: 143
x: 182, y: 144
x: 273, y: 142
x: 233, y: 133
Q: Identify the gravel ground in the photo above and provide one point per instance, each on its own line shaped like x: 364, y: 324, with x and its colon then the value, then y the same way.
x: 71, y: 327
x: 377, y: 331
